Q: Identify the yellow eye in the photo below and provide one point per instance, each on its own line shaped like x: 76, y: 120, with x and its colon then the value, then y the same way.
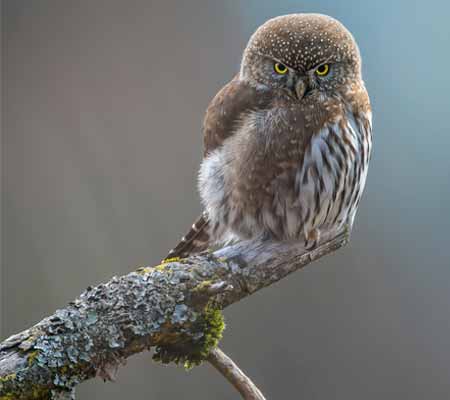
x: 323, y: 70
x: 280, y: 69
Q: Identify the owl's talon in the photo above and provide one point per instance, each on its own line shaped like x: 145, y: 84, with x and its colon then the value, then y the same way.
x: 310, y: 245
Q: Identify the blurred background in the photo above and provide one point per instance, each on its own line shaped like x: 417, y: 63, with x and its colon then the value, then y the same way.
x: 102, y: 108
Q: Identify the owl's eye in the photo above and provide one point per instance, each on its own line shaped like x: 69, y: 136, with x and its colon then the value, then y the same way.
x: 323, y: 70
x: 280, y: 69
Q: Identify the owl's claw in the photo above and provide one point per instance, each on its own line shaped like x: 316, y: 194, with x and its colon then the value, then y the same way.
x: 312, y: 239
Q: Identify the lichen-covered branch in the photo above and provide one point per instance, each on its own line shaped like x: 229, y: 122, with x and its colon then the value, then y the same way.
x: 174, y: 307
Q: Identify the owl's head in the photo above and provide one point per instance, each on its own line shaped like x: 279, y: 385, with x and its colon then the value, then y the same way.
x: 303, y: 53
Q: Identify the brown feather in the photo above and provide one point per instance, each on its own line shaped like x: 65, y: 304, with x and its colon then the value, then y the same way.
x: 227, y: 109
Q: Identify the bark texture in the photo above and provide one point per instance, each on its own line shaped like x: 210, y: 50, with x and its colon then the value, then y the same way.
x: 174, y: 308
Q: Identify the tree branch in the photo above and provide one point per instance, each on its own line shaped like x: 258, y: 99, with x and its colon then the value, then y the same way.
x: 173, y: 307
x: 233, y: 374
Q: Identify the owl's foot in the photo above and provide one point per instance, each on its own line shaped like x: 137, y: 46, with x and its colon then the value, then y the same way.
x: 312, y: 239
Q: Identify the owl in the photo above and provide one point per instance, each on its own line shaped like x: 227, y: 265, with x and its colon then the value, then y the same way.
x: 287, y: 141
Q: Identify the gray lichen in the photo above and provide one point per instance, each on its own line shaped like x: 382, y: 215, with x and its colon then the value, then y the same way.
x: 108, y: 323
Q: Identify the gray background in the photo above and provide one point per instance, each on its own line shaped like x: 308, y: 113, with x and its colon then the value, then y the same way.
x: 102, y: 106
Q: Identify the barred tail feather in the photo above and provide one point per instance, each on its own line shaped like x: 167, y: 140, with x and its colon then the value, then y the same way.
x: 195, y: 241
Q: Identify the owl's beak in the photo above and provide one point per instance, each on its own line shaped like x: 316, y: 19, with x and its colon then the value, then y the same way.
x: 301, y: 88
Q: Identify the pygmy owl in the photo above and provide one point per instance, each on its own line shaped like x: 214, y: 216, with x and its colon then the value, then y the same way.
x: 287, y: 141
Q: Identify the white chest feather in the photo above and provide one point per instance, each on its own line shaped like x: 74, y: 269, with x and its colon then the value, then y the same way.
x: 331, y: 180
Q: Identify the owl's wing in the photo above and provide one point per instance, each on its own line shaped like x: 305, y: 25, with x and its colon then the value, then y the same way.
x: 226, y: 111
x: 223, y: 115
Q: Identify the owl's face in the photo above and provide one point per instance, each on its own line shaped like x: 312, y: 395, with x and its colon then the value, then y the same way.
x: 305, y: 54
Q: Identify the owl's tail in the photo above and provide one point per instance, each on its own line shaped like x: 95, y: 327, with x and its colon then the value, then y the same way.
x: 195, y: 241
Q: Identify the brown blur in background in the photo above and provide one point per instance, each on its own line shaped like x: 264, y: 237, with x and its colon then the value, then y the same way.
x: 102, y: 105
